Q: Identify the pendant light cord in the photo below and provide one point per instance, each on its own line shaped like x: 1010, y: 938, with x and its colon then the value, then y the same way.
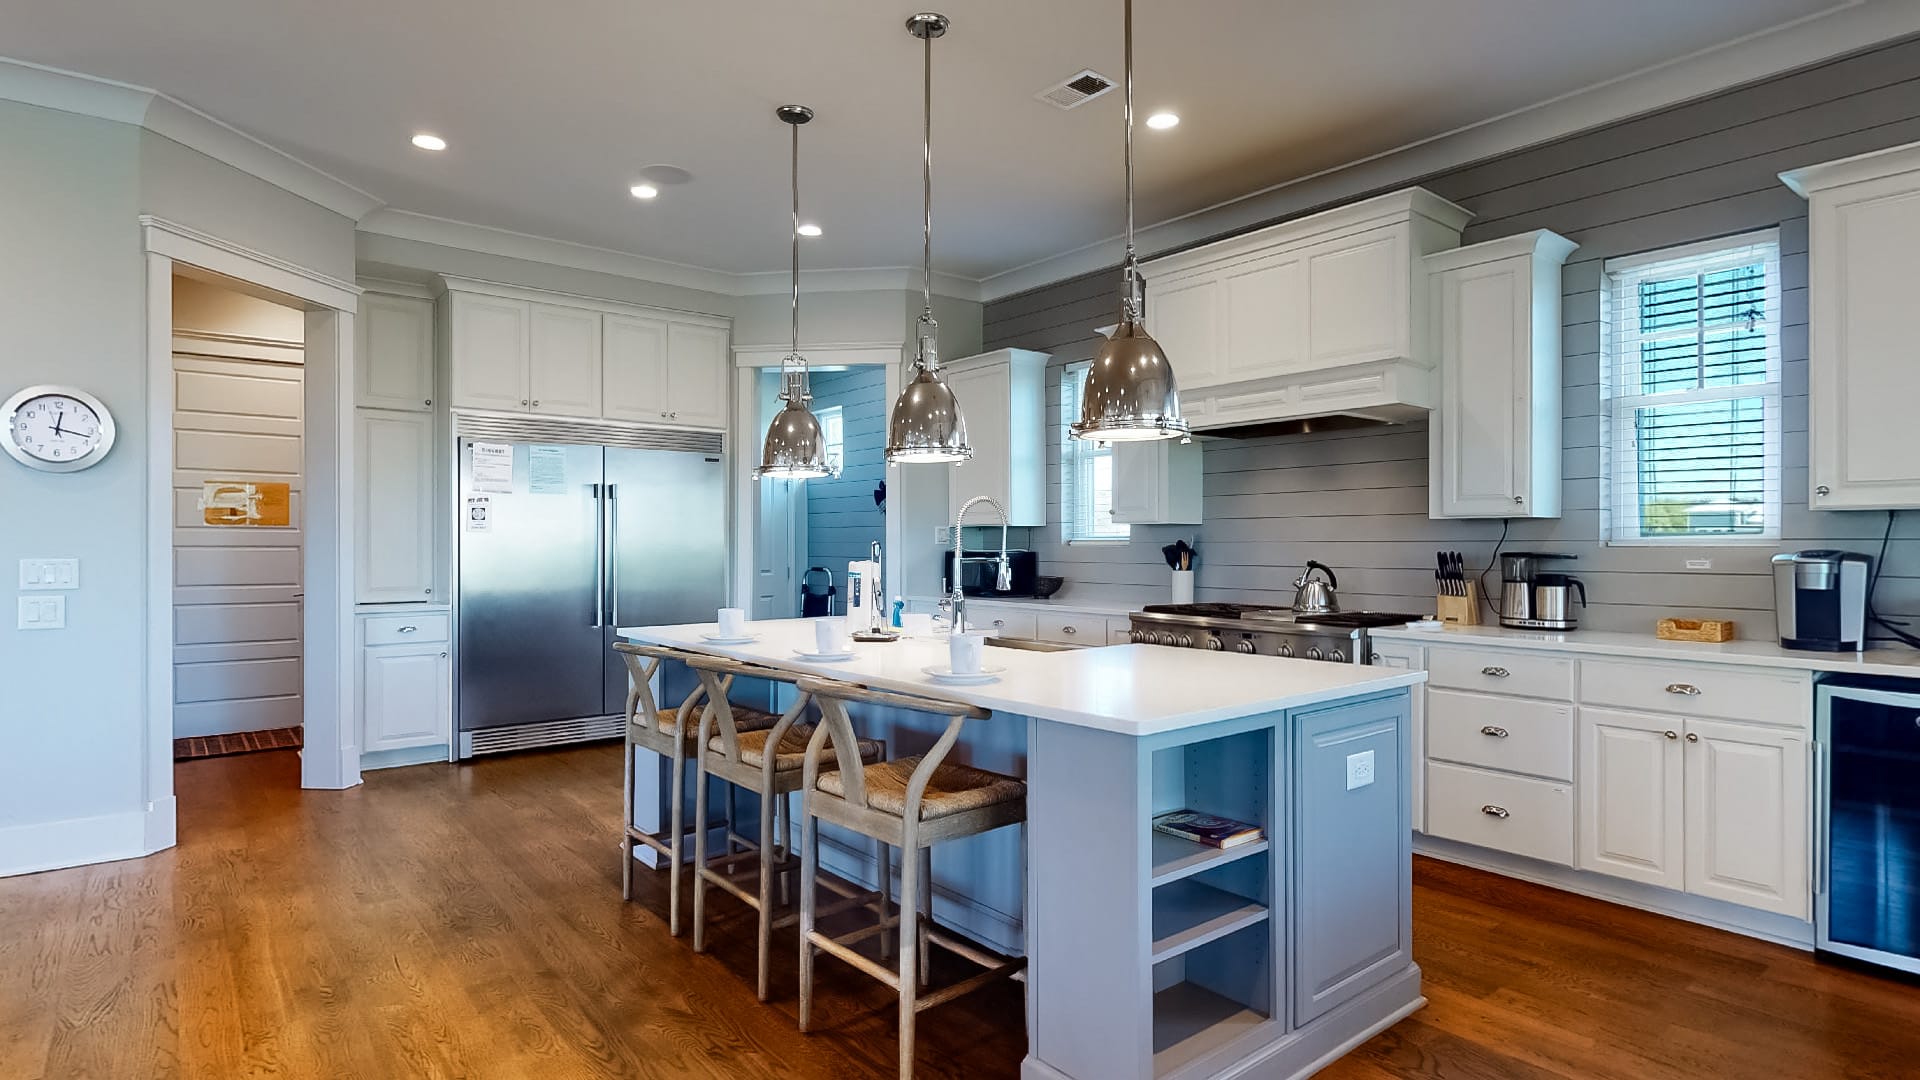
x: 929, y: 358
x: 794, y: 355
x: 1131, y: 309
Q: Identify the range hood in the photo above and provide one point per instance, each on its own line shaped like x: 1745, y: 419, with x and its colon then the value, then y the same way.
x: 1382, y: 393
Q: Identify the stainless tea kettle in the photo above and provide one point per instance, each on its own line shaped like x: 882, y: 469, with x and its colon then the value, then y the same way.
x: 1312, y: 596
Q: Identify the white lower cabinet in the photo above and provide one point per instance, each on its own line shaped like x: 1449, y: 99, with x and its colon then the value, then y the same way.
x: 1631, y: 806
x: 1507, y: 813
x: 407, y: 696
x: 1747, y: 814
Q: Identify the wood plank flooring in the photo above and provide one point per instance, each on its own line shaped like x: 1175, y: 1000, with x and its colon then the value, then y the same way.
x: 445, y: 921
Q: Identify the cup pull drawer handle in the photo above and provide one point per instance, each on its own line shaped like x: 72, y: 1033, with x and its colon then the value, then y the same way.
x: 1495, y: 811
x: 1671, y: 734
x: 1496, y: 732
x: 1069, y: 630
x: 1496, y: 672
x: 406, y: 630
x: 1683, y: 689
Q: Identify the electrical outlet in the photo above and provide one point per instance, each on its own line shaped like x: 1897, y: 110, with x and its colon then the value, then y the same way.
x: 943, y: 535
x: 49, y: 574
x: 43, y: 613
x: 1359, y: 769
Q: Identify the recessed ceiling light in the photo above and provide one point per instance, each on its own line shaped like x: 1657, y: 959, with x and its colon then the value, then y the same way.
x: 429, y: 142
x: 644, y: 191
x: 809, y: 230
x: 1161, y: 121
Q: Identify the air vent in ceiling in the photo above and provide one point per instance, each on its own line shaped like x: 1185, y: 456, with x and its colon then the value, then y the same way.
x: 1076, y: 90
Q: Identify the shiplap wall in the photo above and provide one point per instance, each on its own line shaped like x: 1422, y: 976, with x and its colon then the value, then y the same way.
x: 842, y: 518
x: 1358, y: 500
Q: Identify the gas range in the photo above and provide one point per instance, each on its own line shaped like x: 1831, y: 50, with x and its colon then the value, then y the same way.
x: 1262, y: 629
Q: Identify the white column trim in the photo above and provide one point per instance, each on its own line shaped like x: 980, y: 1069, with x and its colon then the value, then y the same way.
x: 184, y: 243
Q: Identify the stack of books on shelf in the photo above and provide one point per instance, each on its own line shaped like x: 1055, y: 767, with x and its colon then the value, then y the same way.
x: 1209, y: 829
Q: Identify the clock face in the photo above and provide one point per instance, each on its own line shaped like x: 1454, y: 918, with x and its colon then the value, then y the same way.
x: 56, y: 429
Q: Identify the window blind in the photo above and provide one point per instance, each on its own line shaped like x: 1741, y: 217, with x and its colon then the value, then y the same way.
x: 1690, y: 387
x: 1086, y: 471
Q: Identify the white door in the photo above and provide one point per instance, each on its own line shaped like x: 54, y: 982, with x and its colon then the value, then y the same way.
x: 1631, y: 796
x: 408, y: 696
x: 1747, y: 815
x: 564, y: 361
x: 395, y: 526
x: 1486, y: 316
x: 780, y: 533
x: 237, y: 587
x: 395, y: 367
x: 1185, y: 318
x: 1140, y: 481
x: 490, y: 347
x: 1266, y: 317
x: 697, y: 375
x: 634, y: 369
x: 1357, y: 307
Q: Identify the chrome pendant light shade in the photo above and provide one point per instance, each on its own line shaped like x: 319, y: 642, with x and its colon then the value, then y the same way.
x: 795, y: 448
x: 926, y: 424
x: 1130, y: 394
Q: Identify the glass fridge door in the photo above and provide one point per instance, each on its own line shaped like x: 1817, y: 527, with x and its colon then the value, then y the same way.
x: 1871, y: 907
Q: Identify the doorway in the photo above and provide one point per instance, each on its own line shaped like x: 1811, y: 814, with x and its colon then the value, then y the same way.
x: 238, y: 439
x: 846, y: 512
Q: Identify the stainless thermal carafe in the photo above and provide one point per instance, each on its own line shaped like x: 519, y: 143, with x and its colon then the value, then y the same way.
x: 1553, y: 601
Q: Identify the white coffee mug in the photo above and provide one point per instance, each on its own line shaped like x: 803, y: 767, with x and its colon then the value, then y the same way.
x: 916, y: 624
x: 964, y: 653
x: 733, y: 622
x: 829, y: 636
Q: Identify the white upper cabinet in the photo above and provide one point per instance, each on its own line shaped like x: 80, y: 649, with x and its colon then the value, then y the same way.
x: 490, y: 343
x: 590, y: 359
x: 1156, y: 482
x: 1322, y: 315
x: 697, y: 368
x: 1864, y: 256
x: 394, y: 525
x: 395, y: 367
x: 1002, y: 395
x: 563, y: 372
x: 1495, y: 437
x: 635, y: 377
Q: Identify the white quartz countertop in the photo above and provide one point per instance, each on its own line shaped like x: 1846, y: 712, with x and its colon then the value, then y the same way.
x: 1129, y: 689
x: 1899, y: 662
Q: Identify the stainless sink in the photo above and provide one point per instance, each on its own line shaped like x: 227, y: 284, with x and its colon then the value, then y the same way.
x: 1025, y: 645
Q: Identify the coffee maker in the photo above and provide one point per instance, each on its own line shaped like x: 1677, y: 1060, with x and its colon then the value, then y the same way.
x: 1820, y: 599
x: 1531, y: 598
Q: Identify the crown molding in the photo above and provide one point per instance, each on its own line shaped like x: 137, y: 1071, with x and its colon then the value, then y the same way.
x: 1849, y: 27
x: 903, y: 278
x: 171, y: 118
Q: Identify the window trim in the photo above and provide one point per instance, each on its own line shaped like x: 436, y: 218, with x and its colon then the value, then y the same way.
x: 1617, y: 411
x: 1073, y: 450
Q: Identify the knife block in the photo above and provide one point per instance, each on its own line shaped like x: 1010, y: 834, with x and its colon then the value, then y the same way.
x: 1459, y: 610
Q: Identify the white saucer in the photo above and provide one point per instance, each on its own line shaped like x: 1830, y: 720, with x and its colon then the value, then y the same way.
x: 947, y: 675
x: 716, y: 639
x: 823, y: 657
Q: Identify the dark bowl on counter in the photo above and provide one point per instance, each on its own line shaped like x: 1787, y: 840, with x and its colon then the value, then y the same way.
x: 1045, y: 586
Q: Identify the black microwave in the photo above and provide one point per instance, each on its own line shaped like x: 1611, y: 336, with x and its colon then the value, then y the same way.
x: 979, y: 568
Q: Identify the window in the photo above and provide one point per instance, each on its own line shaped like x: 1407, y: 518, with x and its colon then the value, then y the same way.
x: 833, y: 431
x: 1086, y: 471
x: 1690, y: 393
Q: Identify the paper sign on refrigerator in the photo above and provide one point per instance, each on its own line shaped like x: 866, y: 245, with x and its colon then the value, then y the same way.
x: 493, y: 468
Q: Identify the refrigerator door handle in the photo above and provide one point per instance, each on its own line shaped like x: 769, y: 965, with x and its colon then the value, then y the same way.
x: 613, y: 551
x: 599, y: 557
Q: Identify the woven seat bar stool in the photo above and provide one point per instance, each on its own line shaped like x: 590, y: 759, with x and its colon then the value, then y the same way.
x: 668, y: 733
x: 768, y: 762
x: 911, y: 803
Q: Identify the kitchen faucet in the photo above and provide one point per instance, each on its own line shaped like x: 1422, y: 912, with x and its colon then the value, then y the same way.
x: 1002, y: 580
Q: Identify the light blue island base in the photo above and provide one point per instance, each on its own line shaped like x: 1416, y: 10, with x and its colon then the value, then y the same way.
x: 1154, y: 957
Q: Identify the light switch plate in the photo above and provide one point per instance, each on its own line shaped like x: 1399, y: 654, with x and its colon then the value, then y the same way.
x: 49, y: 574
x: 1359, y: 769
x: 43, y: 613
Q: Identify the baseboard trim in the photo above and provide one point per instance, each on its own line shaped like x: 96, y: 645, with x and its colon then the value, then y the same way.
x: 57, y: 845
x: 1765, y: 925
x: 394, y: 759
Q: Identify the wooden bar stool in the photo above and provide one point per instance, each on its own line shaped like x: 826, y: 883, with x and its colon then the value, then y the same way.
x: 669, y: 734
x: 911, y: 803
x: 768, y: 762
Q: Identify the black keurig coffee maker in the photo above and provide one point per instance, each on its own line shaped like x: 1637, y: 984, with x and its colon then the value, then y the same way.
x: 1820, y: 599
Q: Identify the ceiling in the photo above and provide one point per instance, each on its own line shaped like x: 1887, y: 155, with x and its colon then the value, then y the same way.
x: 552, y: 109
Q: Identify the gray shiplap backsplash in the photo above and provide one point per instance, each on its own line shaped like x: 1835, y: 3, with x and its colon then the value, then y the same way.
x: 1358, y: 500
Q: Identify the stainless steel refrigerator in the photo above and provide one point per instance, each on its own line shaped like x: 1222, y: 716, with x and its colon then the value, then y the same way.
x: 559, y: 544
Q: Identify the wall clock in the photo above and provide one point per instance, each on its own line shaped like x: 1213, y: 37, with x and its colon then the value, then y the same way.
x: 56, y: 428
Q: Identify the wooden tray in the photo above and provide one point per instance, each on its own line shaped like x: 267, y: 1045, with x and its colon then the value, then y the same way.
x: 1695, y: 630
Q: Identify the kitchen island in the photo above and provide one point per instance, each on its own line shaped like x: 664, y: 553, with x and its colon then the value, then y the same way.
x: 1151, y: 956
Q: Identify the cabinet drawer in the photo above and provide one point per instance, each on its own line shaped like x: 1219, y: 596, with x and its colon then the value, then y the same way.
x: 1069, y: 628
x: 1700, y: 690
x: 1494, y: 672
x: 1507, y: 813
x: 1119, y: 631
x: 406, y: 629
x: 1003, y: 622
x: 1513, y: 734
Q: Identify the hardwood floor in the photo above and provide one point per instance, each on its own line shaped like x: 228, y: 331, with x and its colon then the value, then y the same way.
x: 447, y: 921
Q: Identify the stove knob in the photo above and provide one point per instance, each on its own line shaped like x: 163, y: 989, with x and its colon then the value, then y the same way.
x: 1245, y: 645
x: 1149, y: 637
x: 1313, y: 653
x: 1213, y: 644
x: 1286, y: 648
x: 1338, y: 655
x: 1138, y: 636
x: 1185, y: 641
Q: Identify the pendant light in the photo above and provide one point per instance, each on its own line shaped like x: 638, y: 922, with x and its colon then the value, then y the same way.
x: 926, y: 424
x: 1130, y: 394
x: 795, y: 448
